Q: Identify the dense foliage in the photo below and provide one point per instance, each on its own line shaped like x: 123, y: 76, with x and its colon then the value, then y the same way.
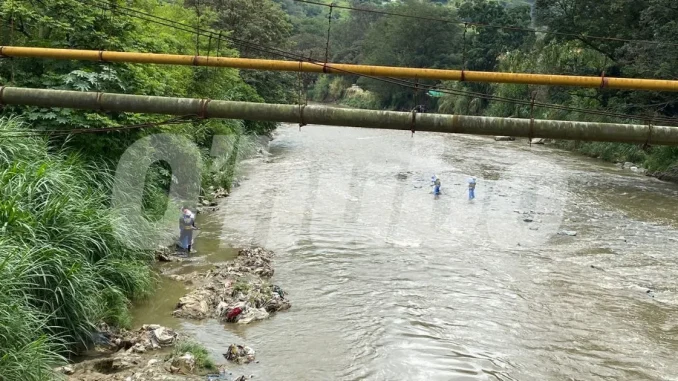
x: 67, y: 261
x: 63, y: 265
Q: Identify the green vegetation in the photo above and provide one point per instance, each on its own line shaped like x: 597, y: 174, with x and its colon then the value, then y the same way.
x: 373, y: 38
x: 203, y: 361
x: 67, y: 261
x: 241, y: 286
x: 63, y: 266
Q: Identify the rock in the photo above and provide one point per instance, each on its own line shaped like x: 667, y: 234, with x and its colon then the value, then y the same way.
x: 538, y: 141
x: 184, y: 364
x: 570, y: 233
x: 650, y: 293
x: 239, y: 354
x: 528, y: 220
x: 178, y: 278
x: 138, y: 348
x: 152, y: 362
x: 208, y: 209
x: 206, y: 203
x: 163, y: 253
x: 67, y: 370
x: 534, y: 228
x: 504, y: 138
x: 627, y: 165
x: 163, y: 258
x: 220, y: 193
x: 164, y: 336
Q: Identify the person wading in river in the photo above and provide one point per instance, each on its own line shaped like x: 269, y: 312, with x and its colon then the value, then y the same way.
x: 186, y: 227
x: 471, y: 188
x: 436, y: 188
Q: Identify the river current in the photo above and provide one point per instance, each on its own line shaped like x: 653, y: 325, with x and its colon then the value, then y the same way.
x: 389, y: 283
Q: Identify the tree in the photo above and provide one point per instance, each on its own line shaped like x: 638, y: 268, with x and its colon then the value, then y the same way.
x: 581, y: 18
x: 486, y: 43
x: 347, y: 43
x: 400, y: 41
x: 257, y: 27
x: 256, y: 22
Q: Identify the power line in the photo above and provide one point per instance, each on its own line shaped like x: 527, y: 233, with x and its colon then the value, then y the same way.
x: 481, y: 25
x: 289, y: 55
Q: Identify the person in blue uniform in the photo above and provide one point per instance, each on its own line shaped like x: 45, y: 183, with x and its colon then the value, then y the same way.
x: 471, y: 188
x: 436, y: 187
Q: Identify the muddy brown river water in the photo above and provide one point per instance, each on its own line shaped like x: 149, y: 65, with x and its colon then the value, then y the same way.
x: 388, y: 283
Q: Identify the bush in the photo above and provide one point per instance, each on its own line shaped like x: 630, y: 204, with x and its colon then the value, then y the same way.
x: 613, y: 152
x: 63, y: 265
x: 364, y: 100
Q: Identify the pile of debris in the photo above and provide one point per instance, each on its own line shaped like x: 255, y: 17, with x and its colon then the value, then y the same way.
x: 142, y: 367
x: 148, y: 337
x: 239, y: 354
x: 133, y: 356
x: 236, y: 292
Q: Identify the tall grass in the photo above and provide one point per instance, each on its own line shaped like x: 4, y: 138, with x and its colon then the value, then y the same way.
x: 63, y: 266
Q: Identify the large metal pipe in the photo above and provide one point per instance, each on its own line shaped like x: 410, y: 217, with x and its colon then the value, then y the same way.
x: 323, y: 115
x: 332, y: 68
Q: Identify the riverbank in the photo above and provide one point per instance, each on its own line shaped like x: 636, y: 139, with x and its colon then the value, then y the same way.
x: 68, y: 262
x: 231, y: 287
x: 235, y: 291
x: 660, y: 162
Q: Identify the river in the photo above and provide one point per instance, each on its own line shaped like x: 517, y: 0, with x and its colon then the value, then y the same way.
x: 388, y: 283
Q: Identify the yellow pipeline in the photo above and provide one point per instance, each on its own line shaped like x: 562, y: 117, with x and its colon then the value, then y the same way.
x: 332, y: 68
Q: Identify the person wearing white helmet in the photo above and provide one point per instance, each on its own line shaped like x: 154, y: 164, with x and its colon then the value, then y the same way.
x: 471, y: 188
x: 186, y: 228
x: 435, y: 182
